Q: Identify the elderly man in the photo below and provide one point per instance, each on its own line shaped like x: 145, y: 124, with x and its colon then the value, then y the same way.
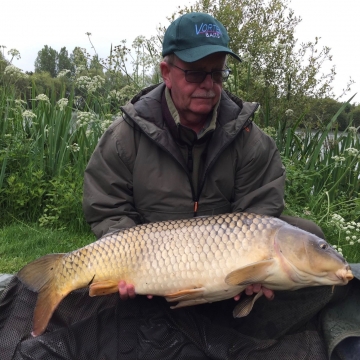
x: 186, y: 147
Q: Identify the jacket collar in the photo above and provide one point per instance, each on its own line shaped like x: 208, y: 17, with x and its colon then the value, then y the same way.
x: 147, y: 104
x: 145, y: 111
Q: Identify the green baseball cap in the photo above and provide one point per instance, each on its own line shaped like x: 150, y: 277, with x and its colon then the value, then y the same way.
x: 195, y: 35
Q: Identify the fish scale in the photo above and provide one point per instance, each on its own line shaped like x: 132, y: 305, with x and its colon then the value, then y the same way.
x: 189, y: 261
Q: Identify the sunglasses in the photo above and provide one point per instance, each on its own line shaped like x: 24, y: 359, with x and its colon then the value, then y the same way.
x: 198, y: 76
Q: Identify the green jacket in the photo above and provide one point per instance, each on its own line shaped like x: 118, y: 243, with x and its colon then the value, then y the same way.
x: 138, y: 172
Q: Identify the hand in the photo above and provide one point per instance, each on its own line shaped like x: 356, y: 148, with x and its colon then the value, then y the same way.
x: 255, y: 288
x: 127, y: 291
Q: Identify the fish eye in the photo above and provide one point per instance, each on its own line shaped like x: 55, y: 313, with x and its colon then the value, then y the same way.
x: 324, y: 246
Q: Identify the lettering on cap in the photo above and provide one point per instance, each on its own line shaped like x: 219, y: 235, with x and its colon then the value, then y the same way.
x: 210, y: 30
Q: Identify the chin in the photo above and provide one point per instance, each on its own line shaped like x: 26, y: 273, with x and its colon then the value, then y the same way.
x: 202, y: 110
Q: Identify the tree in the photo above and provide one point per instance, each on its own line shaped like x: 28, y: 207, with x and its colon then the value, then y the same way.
x: 322, y: 110
x: 276, y: 71
x: 79, y: 57
x: 95, y: 67
x: 355, y: 114
x: 46, y: 60
x: 64, y: 61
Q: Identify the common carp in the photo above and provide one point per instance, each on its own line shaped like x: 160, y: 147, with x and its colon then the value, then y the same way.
x: 192, y: 261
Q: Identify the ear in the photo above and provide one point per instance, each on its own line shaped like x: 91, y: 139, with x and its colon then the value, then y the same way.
x: 165, y: 73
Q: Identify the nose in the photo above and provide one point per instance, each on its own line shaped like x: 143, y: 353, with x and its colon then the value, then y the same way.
x: 207, y: 82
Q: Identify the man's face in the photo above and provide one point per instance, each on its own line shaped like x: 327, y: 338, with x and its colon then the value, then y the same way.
x: 193, y: 100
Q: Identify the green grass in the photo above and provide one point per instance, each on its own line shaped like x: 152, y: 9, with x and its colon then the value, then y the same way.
x: 21, y: 243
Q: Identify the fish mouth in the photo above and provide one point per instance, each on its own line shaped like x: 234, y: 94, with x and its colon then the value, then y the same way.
x: 345, y: 275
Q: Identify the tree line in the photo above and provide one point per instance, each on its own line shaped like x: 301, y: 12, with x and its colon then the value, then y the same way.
x: 286, y: 77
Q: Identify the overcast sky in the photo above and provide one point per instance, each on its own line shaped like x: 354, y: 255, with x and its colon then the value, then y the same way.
x: 28, y: 25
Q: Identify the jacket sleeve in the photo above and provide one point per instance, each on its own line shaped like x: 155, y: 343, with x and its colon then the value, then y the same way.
x: 259, y: 175
x: 108, y: 184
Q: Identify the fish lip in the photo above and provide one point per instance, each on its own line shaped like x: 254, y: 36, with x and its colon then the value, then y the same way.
x: 344, y: 275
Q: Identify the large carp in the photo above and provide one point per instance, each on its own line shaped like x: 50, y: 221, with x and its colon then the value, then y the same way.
x: 191, y: 261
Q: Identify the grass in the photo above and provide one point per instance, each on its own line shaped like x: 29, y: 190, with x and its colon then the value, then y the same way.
x: 21, y: 243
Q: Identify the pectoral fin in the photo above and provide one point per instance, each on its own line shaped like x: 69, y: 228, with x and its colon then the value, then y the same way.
x: 105, y: 287
x: 246, y: 305
x: 250, y: 274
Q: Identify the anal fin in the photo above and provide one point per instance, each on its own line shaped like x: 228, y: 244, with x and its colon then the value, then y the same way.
x: 187, y: 294
x: 189, y: 303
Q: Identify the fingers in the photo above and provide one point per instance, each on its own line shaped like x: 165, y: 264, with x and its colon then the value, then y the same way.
x: 269, y: 294
x: 126, y: 291
x: 255, y: 288
x: 237, y: 297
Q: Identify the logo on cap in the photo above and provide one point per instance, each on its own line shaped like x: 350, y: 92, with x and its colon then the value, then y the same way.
x: 210, y: 30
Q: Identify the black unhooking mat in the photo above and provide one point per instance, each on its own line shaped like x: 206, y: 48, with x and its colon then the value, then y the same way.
x: 307, y: 324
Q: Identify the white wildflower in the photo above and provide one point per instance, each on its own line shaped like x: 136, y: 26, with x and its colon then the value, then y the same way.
x: 289, y: 112
x: 14, y: 54
x: 63, y: 73
x: 14, y: 72
x: 42, y: 97
x: 62, y: 103
x: 105, y: 124
x: 351, y: 243
x: 352, y: 151
x: 114, y: 94
x: 338, y: 159
x: 19, y: 102
x: 74, y: 147
x: 28, y: 114
x: 79, y: 69
x: 85, y: 118
x: 337, y: 218
x: 83, y: 82
x: 353, y: 129
x: 96, y: 83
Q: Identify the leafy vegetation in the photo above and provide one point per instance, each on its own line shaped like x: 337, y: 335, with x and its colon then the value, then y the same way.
x: 51, y: 121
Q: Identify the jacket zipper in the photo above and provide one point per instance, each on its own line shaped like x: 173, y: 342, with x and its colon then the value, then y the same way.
x: 245, y: 127
x: 190, y: 166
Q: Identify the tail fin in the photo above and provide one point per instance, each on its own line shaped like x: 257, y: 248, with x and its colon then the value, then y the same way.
x: 40, y: 276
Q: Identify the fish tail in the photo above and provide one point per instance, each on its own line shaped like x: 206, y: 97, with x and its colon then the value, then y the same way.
x: 41, y: 276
